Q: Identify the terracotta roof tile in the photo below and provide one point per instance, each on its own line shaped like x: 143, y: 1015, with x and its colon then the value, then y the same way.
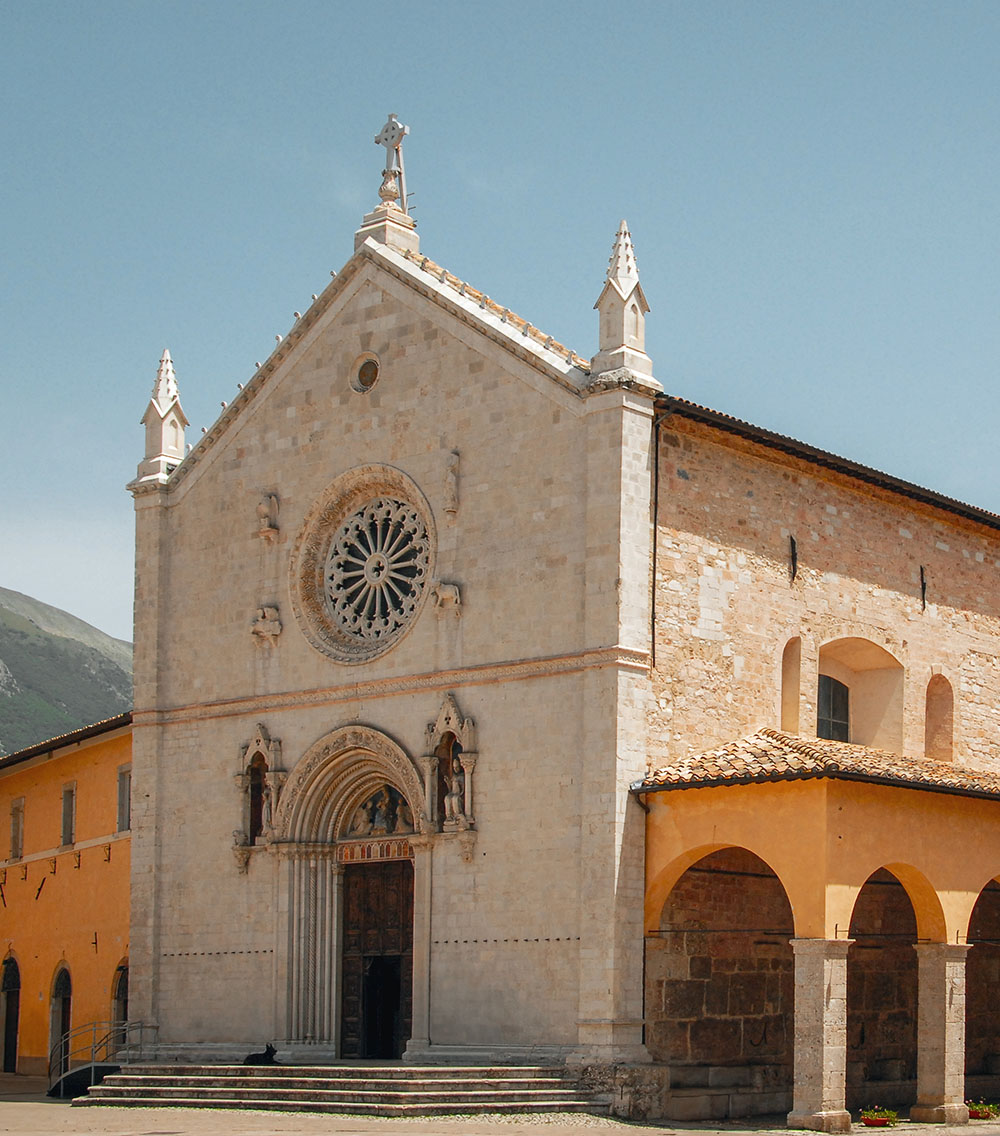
x: 770, y: 755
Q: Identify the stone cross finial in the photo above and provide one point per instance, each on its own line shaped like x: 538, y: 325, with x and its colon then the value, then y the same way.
x: 391, y: 137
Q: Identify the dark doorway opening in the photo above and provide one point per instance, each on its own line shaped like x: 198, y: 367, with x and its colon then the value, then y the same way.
x: 377, y: 960
x: 61, y: 1017
x: 381, y: 1034
x: 11, y: 992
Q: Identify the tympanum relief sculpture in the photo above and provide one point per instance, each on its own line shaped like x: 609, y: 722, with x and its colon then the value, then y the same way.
x: 385, y: 813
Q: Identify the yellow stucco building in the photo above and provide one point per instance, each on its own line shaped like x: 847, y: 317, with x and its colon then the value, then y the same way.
x: 64, y: 889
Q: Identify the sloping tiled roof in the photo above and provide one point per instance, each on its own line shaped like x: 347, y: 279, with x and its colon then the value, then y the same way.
x: 770, y: 755
x: 681, y: 406
x: 82, y: 734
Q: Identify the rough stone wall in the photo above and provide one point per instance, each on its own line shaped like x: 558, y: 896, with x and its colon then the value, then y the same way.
x: 982, y: 1021
x: 719, y: 976
x: 881, y: 988
x: 726, y: 603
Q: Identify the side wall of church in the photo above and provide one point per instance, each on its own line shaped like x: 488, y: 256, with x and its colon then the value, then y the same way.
x: 726, y: 603
x: 534, y: 548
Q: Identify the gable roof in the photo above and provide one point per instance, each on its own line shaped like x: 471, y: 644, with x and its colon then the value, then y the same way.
x: 770, y: 755
x: 460, y: 299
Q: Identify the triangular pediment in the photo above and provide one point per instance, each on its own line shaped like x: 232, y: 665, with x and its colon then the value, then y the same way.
x: 459, y: 305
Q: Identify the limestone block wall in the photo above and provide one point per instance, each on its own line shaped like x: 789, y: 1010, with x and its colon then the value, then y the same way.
x: 535, y: 548
x: 726, y: 603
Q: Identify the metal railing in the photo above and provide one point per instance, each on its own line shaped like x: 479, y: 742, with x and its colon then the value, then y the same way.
x: 96, y: 1044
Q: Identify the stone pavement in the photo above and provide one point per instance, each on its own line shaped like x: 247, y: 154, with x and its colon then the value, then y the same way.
x: 26, y: 1111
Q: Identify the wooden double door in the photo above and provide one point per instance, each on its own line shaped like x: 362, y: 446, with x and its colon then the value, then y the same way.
x: 377, y: 959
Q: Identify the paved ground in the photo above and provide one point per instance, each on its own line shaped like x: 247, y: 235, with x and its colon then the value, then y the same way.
x: 25, y: 1111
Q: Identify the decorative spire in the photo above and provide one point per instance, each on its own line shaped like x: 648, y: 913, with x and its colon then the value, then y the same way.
x: 165, y: 384
x: 623, y: 271
x: 623, y: 308
x: 390, y: 223
x: 164, y: 421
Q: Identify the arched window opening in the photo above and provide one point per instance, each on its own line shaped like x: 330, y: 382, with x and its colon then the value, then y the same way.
x: 939, y: 720
x: 10, y: 994
x: 791, y: 666
x: 259, y: 798
x: 60, y: 1020
x: 871, y: 712
x: 633, y: 321
x: 720, y: 985
x: 882, y: 996
x: 833, y: 717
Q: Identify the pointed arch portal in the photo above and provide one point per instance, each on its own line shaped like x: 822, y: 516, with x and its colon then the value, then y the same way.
x: 350, y: 825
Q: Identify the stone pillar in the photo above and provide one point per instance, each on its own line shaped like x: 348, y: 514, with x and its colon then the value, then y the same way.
x: 820, y: 1035
x: 940, y: 1034
x: 418, y: 1047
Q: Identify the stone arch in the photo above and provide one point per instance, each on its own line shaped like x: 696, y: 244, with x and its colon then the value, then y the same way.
x: 873, y: 676
x: 658, y: 889
x: 939, y: 719
x: 720, y: 983
x: 335, y: 775
x: 893, y: 910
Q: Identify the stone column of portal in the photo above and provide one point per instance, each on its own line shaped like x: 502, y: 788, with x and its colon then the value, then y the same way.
x: 420, y: 1032
x: 820, y: 1067
x: 940, y: 1034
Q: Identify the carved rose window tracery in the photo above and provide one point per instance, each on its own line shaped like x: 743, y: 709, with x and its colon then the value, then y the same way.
x: 363, y: 564
x: 376, y: 569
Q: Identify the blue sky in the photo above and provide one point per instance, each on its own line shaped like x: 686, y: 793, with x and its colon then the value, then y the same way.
x: 812, y: 189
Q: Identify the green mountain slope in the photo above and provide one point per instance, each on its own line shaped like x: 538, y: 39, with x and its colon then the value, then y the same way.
x: 57, y: 673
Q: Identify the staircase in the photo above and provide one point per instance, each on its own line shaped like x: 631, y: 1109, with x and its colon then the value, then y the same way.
x: 360, y: 1090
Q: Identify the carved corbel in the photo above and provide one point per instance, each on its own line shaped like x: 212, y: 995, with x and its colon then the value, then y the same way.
x: 467, y: 844
x: 241, y: 850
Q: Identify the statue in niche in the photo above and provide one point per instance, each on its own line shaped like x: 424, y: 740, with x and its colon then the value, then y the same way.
x: 451, y: 483
x: 454, y: 799
x: 266, y: 809
x: 267, y: 516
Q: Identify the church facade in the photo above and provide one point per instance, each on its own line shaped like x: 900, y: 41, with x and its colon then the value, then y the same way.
x: 491, y: 705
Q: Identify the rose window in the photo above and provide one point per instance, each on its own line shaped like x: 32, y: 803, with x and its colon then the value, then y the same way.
x: 376, y: 569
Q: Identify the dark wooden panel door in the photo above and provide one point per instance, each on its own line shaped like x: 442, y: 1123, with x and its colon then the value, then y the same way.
x: 377, y: 959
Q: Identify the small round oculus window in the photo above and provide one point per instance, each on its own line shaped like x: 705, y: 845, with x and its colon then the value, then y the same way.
x: 376, y: 569
x: 366, y: 372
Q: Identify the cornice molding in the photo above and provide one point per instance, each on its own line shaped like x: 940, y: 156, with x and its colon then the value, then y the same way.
x: 623, y: 658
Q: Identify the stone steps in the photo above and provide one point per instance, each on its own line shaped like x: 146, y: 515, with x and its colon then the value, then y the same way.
x: 386, y: 1090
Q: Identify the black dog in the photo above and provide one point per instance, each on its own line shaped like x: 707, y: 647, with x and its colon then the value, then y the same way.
x: 265, y: 1058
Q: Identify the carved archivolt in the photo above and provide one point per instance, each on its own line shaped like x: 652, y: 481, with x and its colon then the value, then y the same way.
x: 362, y: 566
x: 336, y: 779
